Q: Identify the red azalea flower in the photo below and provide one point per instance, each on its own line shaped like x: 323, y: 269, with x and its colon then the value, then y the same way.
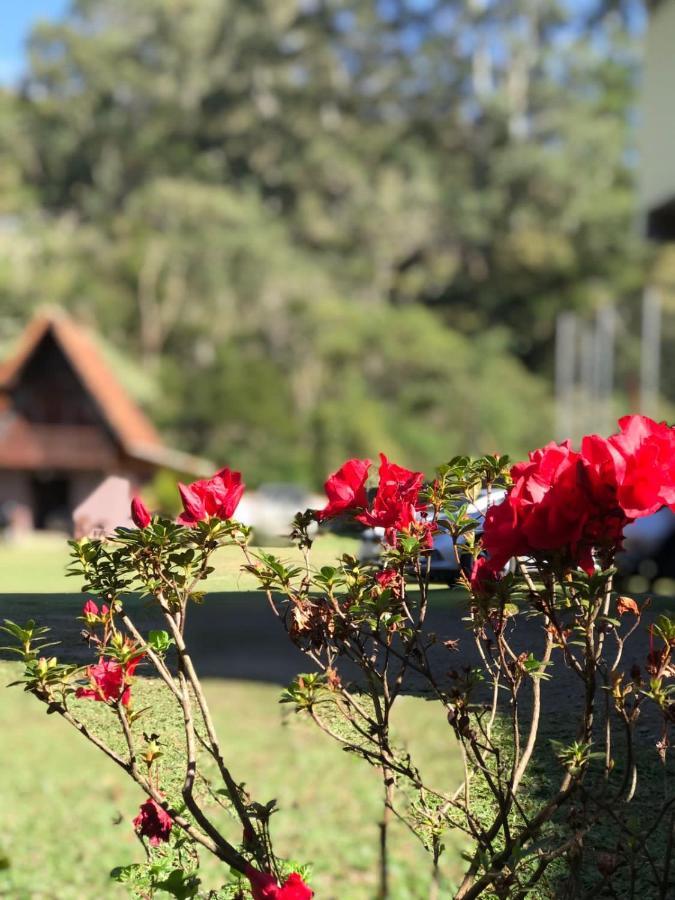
x: 218, y: 496
x: 153, y: 822
x: 648, y: 449
x: 346, y: 489
x: 265, y: 887
x: 482, y: 574
x: 139, y: 513
x: 561, y: 502
x: 501, y: 539
x: 294, y: 888
x: 396, y: 500
x: 548, y: 498
x: 574, y: 504
x: 109, y: 680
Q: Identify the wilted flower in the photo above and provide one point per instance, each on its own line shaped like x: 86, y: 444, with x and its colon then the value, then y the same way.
x: 153, y: 822
x: 388, y: 578
x: 627, y: 604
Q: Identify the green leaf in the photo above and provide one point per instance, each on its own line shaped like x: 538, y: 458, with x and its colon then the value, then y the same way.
x: 159, y: 641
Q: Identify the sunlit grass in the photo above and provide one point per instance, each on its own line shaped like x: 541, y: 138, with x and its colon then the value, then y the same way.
x: 37, y: 564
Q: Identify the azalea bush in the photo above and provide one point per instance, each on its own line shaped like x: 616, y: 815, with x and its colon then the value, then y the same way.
x: 549, y: 633
x: 167, y: 562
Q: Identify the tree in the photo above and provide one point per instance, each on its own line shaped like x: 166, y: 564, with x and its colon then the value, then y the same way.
x: 271, y: 190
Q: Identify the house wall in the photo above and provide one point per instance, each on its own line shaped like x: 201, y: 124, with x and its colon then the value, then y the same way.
x: 82, y: 485
x: 16, y: 501
x: 657, y: 150
x: 18, y: 510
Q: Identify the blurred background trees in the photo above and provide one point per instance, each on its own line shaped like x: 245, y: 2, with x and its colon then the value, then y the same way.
x: 325, y: 227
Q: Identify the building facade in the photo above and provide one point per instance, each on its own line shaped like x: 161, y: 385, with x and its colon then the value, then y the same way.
x: 67, y: 425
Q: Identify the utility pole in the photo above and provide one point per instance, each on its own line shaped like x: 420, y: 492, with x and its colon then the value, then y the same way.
x: 565, y: 373
x: 603, y: 369
x: 587, y: 378
x: 650, y: 358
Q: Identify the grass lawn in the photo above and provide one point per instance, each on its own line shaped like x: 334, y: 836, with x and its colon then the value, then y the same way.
x: 37, y: 564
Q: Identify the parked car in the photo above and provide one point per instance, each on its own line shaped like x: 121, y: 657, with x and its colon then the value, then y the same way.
x: 445, y: 564
x: 649, y: 547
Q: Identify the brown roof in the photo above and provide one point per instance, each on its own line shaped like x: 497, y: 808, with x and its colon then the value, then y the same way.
x: 29, y: 446
x: 131, y: 426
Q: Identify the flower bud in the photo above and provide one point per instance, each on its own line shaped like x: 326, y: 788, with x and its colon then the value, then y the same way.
x: 90, y: 612
x: 140, y: 513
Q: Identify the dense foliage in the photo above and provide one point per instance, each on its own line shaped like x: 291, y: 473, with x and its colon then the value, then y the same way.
x: 324, y: 227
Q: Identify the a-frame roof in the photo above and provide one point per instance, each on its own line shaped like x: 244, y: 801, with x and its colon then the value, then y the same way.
x: 130, y: 427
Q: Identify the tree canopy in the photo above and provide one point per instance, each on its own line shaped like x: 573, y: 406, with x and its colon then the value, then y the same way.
x: 325, y: 226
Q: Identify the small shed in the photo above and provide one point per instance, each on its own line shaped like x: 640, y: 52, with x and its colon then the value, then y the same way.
x: 66, y: 425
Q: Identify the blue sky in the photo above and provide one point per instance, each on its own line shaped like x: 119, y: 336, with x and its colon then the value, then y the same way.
x: 16, y: 19
x: 18, y: 16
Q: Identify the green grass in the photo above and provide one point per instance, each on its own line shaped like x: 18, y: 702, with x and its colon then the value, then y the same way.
x: 37, y: 564
x: 67, y: 810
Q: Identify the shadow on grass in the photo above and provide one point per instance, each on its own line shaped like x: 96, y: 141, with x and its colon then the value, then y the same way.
x: 617, y: 849
x: 232, y: 634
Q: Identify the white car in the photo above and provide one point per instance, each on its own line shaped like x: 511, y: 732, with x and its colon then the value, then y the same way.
x: 445, y: 563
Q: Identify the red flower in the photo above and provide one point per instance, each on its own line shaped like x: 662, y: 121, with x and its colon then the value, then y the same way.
x: 562, y: 502
x: 396, y: 499
x: 265, y: 887
x: 576, y: 505
x: 346, y: 489
x: 294, y: 888
x: 388, y: 578
x: 153, y: 822
x: 483, y: 572
x: 109, y: 680
x: 548, y: 498
x: 218, y: 496
x: 90, y: 612
x: 648, y: 452
x: 140, y: 513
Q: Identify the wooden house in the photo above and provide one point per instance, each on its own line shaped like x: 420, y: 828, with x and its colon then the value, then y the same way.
x: 66, y: 425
